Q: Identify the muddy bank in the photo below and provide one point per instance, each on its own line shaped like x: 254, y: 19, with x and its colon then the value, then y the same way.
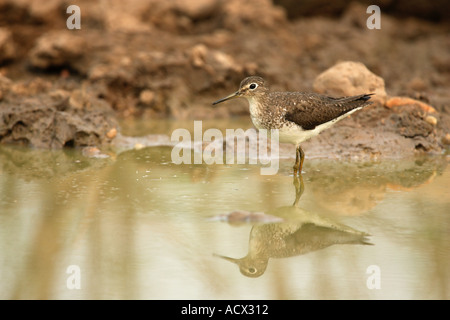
x: 154, y: 59
x: 37, y: 114
x: 380, y: 133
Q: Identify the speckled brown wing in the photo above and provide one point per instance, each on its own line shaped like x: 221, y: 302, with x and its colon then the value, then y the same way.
x: 309, y: 110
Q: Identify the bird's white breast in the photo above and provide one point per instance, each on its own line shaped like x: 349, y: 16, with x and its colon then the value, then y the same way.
x: 255, y: 112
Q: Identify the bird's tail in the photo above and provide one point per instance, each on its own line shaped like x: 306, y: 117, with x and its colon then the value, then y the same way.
x: 364, y: 97
x: 354, y: 102
x: 359, y: 98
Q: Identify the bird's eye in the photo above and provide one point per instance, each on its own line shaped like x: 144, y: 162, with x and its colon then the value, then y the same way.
x: 253, y: 86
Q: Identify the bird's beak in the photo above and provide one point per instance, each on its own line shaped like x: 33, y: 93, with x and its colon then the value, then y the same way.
x: 236, y: 261
x: 231, y: 96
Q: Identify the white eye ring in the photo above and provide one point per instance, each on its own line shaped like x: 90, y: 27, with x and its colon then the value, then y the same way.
x: 253, y: 86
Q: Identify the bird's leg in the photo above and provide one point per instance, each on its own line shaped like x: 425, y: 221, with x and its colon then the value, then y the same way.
x: 302, y: 157
x: 299, y: 188
x: 299, y: 157
x: 297, y: 161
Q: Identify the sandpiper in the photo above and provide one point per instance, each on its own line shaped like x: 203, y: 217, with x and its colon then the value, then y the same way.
x: 298, y: 116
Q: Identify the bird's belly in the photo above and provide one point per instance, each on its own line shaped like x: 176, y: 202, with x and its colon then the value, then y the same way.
x: 292, y: 133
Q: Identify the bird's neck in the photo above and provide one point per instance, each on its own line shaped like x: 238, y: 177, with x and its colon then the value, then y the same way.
x: 255, y: 105
x: 256, y: 111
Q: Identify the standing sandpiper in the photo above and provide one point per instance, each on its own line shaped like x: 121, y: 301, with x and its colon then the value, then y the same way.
x: 297, y: 116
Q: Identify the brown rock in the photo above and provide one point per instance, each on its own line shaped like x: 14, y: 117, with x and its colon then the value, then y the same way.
x: 93, y: 152
x: 215, y: 60
x: 29, y: 88
x: 199, y: 9
x: 60, y: 94
x: 56, y: 49
x: 209, y: 67
x: 5, y: 85
x: 7, y: 47
x: 410, y: 123
x: 417, y: 84
x: 350, y: 78
x: 446, y: 139
x: 54, y: 118
x: 261, y: 13
x: 198, y: 54
x: 123, y: 21
x: 146, y: 97
x: 45, y: 10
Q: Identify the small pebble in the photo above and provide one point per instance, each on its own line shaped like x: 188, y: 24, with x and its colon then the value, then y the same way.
x: 431, y: 120
x: 111, y: 133
x: 93, y: 152
x: 138, y: 146
x: 146, y: 97
x: 446, y: 139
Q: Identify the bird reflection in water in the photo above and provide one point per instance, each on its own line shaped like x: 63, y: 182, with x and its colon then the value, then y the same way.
x: 299, y: 233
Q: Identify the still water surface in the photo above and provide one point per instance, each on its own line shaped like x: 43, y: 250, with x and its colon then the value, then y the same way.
x: 137, y: 226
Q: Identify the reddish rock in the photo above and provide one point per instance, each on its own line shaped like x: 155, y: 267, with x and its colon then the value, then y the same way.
x: 403, y: 101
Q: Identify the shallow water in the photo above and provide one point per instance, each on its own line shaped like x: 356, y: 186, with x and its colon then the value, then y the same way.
x: 136, y: 226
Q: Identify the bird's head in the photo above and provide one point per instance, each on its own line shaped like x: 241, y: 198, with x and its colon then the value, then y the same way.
x: 248, y: 266
x: 250, y: 87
